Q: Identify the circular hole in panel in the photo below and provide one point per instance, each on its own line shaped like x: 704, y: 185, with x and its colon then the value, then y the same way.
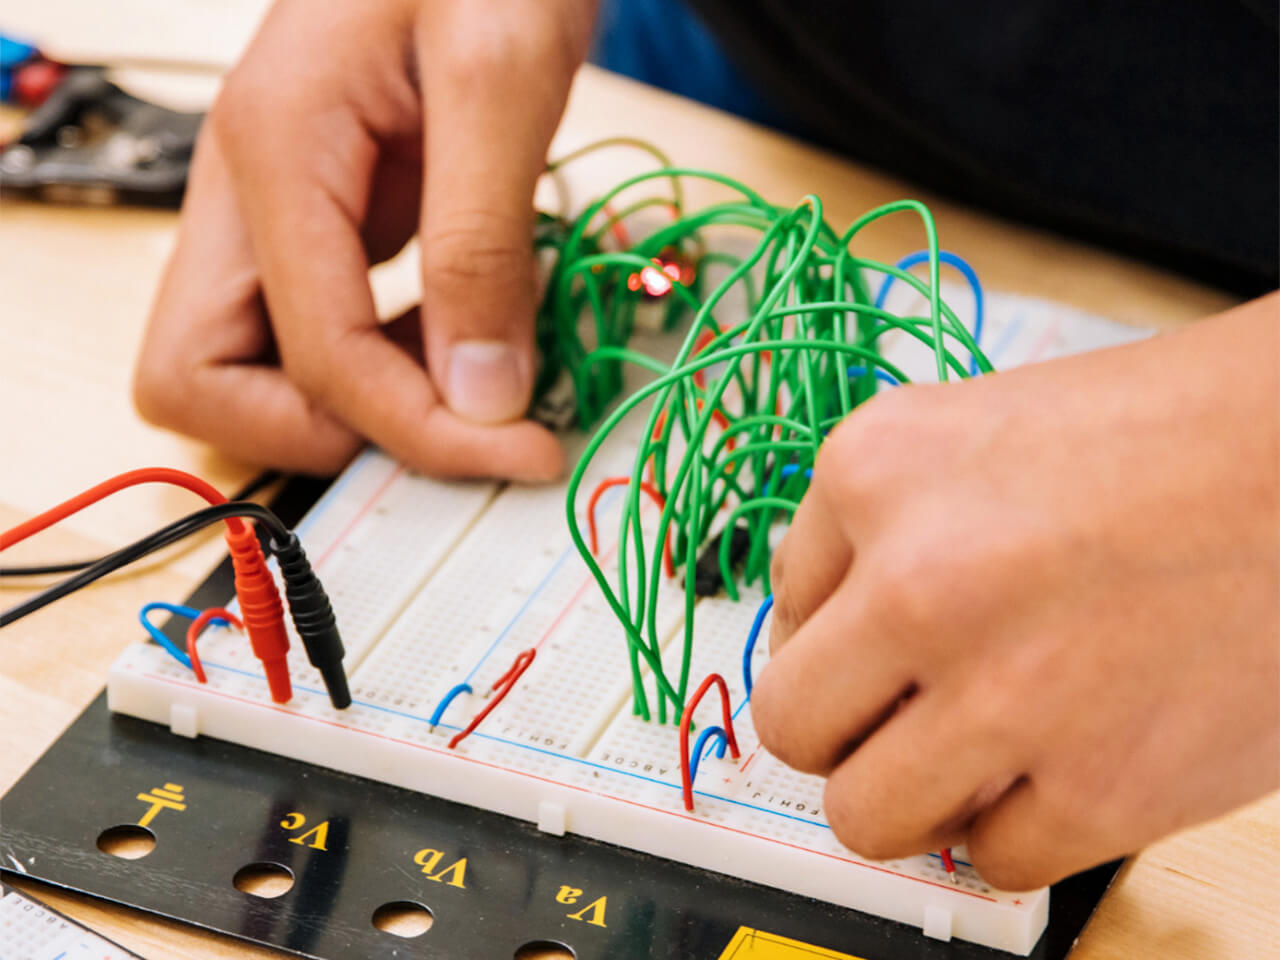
x: 545, y: 950
x: 127, y: 841
x: 404, y: 918
x: 266, y: 880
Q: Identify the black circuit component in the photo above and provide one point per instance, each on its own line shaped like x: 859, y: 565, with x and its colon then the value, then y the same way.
x: 707, y: 581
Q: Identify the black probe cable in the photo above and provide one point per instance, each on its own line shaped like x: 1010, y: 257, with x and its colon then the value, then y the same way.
x: 309, y: 606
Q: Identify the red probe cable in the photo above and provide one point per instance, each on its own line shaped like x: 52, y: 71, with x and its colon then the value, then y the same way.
x: 114, y: 485
x: 506, y: 682
x: 259, y: 598
x: 654, y: 495
x: 686, y: 719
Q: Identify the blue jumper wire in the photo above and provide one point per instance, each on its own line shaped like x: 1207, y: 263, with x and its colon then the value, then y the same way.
x: 970, y: 275
x: 754, y: 635
x: 718, y: 746
x: 448, y: 698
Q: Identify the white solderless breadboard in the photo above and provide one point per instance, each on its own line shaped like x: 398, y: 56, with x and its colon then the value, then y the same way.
x: 436, y: 584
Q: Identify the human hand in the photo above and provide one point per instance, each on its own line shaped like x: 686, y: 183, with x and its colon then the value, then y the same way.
x: 1039, y: 612
x: 345, y: 129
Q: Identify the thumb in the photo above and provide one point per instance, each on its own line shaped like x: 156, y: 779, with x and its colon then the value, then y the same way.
x: 495, y: 80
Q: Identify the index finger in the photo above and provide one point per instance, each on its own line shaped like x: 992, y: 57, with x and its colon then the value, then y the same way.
x: 201, y: 369
x: 306, y: 237
x: 809, y: 563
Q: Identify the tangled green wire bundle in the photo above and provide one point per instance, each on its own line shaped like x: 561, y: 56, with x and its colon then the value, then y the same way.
x: 733, y: 424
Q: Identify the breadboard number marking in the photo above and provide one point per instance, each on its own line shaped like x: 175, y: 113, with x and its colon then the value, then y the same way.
x: 593, y: 913
x: 315, y: 838
x: 454, y: 875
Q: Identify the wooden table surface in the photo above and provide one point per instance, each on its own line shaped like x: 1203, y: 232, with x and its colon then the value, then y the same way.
x: 75, y: 285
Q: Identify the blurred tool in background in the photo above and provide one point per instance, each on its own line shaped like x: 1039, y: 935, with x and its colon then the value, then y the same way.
x: 86, y: 140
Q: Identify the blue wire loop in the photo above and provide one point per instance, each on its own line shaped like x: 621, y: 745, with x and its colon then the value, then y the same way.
x: 788, y: 470
x: 752, y: 637
x: 718, y: 746
x: 144, y: 616
x: 443, y: 705
x: 970, y: 275
x: 884, y: 376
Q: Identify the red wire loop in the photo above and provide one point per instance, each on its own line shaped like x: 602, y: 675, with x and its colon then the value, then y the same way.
x: 617, y: 229
x: 717, y: 417
x: 686, y: 719
x: 193, y: 634
x: 654, y: 495
x: 704, y: 339
x: 506, y: 682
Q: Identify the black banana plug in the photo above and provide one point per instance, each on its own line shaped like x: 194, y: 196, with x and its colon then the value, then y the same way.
x: 313, y: 618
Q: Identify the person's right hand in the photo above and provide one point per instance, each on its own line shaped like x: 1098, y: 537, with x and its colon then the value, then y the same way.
x: 346, y: 128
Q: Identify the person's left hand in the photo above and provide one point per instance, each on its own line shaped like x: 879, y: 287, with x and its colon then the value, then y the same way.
x: 1039, y: 612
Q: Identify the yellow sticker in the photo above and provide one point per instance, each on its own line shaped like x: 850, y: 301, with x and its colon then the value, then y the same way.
x: 749, y: 944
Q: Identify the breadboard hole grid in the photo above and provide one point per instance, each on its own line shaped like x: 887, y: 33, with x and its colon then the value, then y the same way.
x: 437, y: 584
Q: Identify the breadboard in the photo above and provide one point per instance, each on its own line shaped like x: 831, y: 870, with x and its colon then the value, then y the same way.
x: 437, y: 584
x: 31, y: 931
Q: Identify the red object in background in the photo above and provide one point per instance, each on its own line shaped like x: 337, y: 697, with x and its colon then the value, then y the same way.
x: 34, y: 81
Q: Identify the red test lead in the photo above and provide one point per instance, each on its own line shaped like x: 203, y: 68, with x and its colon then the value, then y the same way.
x: 260, y: 605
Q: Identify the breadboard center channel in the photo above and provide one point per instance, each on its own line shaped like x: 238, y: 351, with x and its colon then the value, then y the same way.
x: 439, y: 584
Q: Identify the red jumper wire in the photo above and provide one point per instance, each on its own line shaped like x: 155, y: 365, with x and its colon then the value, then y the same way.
x: 686, y: 719
x: 654, y: 495
x: 193, y: 635
x: 506, y: 682
x: 949, y: 864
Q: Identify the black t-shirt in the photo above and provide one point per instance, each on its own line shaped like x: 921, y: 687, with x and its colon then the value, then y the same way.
x: 1153, y: 127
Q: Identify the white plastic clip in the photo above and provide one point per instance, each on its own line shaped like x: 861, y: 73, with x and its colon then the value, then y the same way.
x: 937, y: 922
x: 184, y: 720
x: 552, y: 818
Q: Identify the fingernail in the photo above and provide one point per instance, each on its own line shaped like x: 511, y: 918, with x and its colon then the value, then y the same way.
x: 488, y: 381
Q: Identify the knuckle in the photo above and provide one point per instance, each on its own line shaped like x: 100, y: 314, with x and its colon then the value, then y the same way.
x: 243, y: 103
x: 332, y: 458
x: 786, y: 619
x: 477, y: 56
x: 909, y: 595
x: 855, y: 825
x: 770, y: 709
x: 991, y: 705
x: 870, y: 446
x: 314, y: 371
x: 1005, y: 868
x: 782, y: 730
x: 470, y: 248
x: 777, y: 572
x: 157, y: 392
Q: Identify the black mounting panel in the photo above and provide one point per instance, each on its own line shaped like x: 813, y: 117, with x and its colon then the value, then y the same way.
x: 519, y: 885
